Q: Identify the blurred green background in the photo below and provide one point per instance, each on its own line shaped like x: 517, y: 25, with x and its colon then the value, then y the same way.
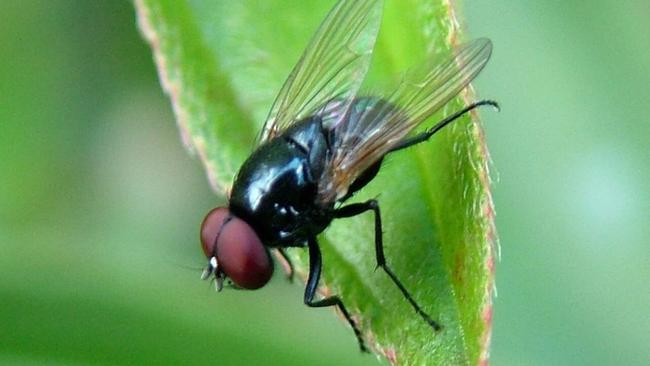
x: 100, y: 204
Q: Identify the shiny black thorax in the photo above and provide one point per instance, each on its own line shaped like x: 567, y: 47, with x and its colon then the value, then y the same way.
x: 276, y: 188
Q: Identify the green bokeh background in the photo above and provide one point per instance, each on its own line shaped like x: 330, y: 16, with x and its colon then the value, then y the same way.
x: 99, y: 202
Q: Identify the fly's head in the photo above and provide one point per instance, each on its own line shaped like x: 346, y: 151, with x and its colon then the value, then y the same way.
x: 234, y: 251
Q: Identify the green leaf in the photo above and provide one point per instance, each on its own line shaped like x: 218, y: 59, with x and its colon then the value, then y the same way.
x: 222, y: 62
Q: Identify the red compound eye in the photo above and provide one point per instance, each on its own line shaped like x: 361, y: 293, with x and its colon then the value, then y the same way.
x: 239, y: 252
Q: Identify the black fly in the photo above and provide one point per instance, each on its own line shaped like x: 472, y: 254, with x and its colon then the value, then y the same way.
x: 322, y: 142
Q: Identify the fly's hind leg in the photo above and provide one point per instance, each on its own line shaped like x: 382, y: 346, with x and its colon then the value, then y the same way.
x: 424, y: 136
x: 315, y: 265
x: 372, y: 205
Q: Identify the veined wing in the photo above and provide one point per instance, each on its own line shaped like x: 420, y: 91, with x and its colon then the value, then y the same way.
x: 332, y: 66
x: 375, y: 125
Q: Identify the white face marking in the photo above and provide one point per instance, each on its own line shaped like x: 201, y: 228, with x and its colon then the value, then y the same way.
x: 212, y: 266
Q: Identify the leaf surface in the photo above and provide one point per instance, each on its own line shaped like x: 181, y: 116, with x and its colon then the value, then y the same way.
x: 222, y: 63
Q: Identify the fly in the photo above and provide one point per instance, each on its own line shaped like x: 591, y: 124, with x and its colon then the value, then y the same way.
x: 323, y: 141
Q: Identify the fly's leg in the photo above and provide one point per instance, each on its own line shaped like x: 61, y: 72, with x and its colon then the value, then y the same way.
x: 424, y: 136
x: 359, y: 208
x: 315, y: 265
x: 283, y: 253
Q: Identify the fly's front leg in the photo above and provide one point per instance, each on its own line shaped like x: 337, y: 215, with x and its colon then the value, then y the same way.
x: 372, y: 205
x: 315, y: 265
x: 289, y: 264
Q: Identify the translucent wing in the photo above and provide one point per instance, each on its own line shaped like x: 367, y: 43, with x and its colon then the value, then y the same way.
x: 375, y: 125
x: 333, y: 65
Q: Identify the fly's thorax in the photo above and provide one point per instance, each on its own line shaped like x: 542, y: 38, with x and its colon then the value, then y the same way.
x: 275, y: 190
